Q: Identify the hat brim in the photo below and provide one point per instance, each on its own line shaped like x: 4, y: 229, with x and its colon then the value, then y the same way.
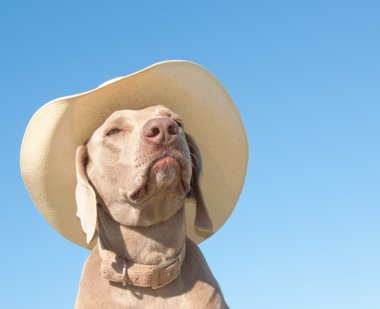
x: 60, y: 126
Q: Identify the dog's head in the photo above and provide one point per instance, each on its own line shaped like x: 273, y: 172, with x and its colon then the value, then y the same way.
x: 139, y: 165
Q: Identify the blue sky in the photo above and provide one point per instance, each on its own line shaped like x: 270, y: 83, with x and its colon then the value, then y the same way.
x: 305, y: 76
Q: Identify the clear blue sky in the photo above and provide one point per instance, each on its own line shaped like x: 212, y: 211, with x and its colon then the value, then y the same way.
x: 305, y: 76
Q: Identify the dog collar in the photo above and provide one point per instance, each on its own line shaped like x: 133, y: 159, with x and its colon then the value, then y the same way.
x: 117, y: 269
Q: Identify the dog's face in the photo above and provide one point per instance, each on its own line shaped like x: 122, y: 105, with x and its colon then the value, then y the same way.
x: 135, y: 161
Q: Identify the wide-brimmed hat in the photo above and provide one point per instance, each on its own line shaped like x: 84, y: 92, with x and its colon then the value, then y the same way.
x: 60, y: 126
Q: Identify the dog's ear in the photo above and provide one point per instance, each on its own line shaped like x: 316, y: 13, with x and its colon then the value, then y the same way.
x: 203, y: 224
x: 85, y: 195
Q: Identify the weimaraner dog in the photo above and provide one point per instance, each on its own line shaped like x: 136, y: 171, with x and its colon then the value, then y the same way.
x: 133, y: 176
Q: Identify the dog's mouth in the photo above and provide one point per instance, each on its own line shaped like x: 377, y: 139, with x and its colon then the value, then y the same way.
x: 163, y: 171
x: 138, y: 195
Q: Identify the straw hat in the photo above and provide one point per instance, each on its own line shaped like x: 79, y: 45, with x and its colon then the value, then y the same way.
x: 60, y: 126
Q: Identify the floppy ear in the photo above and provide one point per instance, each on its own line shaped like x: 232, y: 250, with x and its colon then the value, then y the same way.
x: 85, y: 195
x: 203, y: 224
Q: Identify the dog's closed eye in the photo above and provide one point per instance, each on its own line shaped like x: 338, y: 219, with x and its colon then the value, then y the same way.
x: 113, y: 131
x: 179, y: 123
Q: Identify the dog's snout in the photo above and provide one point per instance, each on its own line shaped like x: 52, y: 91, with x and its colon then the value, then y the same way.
x: 160, y: 130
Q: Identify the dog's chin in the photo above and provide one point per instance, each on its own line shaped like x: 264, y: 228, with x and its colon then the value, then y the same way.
x: 163, y: 177
x: 164, y: 173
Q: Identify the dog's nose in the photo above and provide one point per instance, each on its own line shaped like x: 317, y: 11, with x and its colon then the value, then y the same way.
x: 160, y: 131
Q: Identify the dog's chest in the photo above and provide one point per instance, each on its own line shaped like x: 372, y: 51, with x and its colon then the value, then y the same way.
x: 194, y: 288
x: 134, y: 298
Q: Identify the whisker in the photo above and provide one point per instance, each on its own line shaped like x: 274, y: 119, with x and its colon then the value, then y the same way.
x: 196, y: 160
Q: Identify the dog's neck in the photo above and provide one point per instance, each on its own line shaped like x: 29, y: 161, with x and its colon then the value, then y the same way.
x: 143, y: 244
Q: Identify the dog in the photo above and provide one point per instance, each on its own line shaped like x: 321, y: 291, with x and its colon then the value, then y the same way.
x: 133, y: 176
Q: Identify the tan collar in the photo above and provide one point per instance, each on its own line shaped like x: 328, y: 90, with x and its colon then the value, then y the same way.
x: 118, y: 269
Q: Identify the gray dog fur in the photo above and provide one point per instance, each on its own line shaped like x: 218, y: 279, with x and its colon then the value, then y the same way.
x: 133, y: 176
